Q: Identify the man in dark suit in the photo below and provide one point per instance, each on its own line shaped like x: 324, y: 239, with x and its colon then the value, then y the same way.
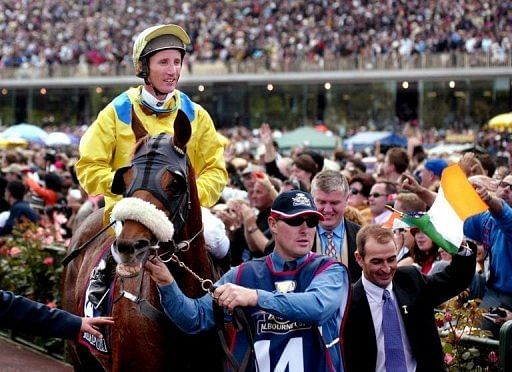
x: 411, y: 295
x: 336, y: 236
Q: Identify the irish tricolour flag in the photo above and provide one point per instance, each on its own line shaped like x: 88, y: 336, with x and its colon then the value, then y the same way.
x: 456, y: 200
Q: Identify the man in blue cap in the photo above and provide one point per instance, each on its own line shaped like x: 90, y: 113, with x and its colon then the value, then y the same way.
x: 294, y: 299
x: 431, y: 173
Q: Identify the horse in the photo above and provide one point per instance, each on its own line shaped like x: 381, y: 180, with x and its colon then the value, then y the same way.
x: 160, y: 185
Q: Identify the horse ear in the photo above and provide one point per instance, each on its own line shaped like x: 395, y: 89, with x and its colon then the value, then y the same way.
x: 118, y: 185
x: 182, y: 130
x: 137, y: 127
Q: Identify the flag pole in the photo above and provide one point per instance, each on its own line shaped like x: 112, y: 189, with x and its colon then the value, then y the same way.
x: 401, y: 214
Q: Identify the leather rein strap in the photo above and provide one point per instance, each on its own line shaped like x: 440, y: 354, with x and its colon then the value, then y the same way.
x: 241, y: 324
x: 74, y: 253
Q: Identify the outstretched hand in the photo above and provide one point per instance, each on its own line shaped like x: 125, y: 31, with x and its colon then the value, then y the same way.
x: 471, y: 165
x: 266, y: 135
x: 409, y: 183
x: 90, y: 325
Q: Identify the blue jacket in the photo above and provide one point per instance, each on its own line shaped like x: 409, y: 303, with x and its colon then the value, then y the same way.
x: 495, y: 232
x: 322, y: 303
x: 20, y: 209
x: 21, y: 314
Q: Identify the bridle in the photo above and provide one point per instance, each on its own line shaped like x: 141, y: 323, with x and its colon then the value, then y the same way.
x: 151, y: 160
x: 144, y: 306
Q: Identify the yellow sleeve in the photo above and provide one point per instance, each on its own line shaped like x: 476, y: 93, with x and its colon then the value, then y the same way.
x: 94, y: 167
x: 210, y: 167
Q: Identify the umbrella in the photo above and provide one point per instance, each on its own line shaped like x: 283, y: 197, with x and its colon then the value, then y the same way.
x: 29, y: 132
x: 307, y: 136
x: 503, y: 121
x: 362, y: 140
x: 7, y: 143
x: 58, y: 139
x: 448, y: 148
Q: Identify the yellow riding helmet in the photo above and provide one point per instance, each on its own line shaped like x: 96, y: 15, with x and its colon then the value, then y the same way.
x: 154, y: 39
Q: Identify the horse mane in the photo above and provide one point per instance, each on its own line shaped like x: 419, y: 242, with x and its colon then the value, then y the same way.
x: 140, y: 142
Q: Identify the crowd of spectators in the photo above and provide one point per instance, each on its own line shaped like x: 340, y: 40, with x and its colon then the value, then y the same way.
x: 41, y: 186
x: 99, y: 32
x: 406, y: 179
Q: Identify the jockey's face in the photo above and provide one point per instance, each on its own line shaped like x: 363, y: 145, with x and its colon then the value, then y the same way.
x: 164, y: 71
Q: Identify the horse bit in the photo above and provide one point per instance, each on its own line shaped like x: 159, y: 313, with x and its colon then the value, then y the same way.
x: 145, y: 307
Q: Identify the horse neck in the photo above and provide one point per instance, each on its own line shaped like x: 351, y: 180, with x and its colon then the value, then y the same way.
x: 196, y: 257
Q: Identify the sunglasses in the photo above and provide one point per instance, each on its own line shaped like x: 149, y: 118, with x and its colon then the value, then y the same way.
x: 414, y: 230
x: 377, y: 194
x: 356, y: 191
x: 298, y: 221
x: 505, y: 185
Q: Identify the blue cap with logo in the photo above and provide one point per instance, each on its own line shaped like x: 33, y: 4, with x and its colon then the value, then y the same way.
x: 293, y: 203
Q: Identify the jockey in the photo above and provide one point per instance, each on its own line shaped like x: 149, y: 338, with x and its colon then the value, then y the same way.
x: 107, y: 145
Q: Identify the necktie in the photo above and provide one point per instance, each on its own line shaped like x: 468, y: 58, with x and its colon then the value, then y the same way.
x: 330, y: 250
x: 290, y: 265
x: 393, y: 347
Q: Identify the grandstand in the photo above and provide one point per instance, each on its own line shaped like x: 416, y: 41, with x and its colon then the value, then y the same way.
x: 288, y: 62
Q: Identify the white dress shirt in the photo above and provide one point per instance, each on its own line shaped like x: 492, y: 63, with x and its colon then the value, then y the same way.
x: 374, y: 296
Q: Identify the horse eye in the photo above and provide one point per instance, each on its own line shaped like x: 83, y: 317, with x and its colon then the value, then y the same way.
x: 175, y: 187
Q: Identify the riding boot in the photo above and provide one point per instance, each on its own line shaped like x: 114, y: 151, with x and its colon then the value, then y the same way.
x: 99, y: 282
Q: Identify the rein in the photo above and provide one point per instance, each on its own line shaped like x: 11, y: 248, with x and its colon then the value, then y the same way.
x: 73, y: 254
x: 150, y: 162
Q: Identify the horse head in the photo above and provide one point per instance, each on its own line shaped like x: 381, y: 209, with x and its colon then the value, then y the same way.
x: 157, y: 195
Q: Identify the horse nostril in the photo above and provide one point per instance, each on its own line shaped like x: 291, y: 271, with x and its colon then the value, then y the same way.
x: 141, y: 244
x: 124, y: 247
x: 127, y: 246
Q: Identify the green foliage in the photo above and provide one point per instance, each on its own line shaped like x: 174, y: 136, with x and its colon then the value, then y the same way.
x: 30, y: 263
x: 461, y: 317
x: 30, y: 266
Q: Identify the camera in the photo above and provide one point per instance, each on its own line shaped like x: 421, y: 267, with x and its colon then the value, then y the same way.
x: 499, y: 312
x: 50, y: 157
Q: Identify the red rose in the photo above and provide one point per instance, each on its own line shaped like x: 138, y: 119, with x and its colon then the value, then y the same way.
x: 448, y: 358
x: 448, y: 317
x: 493, y: 357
